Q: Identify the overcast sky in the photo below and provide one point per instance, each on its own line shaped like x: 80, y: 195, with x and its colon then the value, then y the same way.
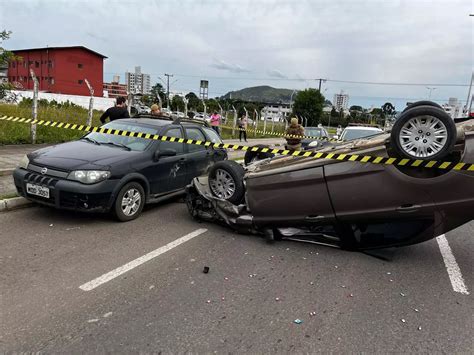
x: 287, y: 44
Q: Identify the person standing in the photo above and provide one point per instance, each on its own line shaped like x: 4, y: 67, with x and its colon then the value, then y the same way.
x: 116, y: 112
x: 243, y: 128
x: 339, y: 131
x: 295, y: 133
x: 215, y: 121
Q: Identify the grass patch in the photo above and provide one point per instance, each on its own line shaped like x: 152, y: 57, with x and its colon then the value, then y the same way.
x: 10, y: 195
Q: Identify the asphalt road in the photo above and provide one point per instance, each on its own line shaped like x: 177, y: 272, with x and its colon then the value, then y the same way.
x: 248, y: 301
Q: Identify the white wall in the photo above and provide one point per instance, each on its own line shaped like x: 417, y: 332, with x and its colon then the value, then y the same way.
x: 100, y: 103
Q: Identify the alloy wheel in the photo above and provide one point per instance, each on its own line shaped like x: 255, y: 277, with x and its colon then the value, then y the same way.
x: 422, y: 137
x: 131, y: 201
x: 223, y: 184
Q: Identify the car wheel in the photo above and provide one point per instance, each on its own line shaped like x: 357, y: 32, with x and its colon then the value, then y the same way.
x: 130, y: 201
x: 422, y: 103
x: 423, y: 132
x: 251, y: 157
x: 226, y: 181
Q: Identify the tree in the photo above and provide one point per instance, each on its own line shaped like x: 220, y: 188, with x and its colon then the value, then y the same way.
x: 158, y: 90
x: 356, y: 108
x: 193, y: 101
x: 177, y: 103
x: 334, y: 112
x: 5, y: 58
x: 309, y: 103
x: 388, y: 108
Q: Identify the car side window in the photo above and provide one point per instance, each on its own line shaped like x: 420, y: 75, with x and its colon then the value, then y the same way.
x: 173, y: 132
x: 212, y: 135
x: 195, y: 134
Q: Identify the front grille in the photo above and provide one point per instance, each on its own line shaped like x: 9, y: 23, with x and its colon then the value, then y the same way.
x: 42, y: 180
x: 50, y: 172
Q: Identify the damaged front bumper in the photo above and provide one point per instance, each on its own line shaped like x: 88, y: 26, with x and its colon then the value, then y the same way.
x: 203, y: 205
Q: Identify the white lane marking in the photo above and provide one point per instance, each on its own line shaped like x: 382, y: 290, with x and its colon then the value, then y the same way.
x: 88, y: 286
x: 452, y: 266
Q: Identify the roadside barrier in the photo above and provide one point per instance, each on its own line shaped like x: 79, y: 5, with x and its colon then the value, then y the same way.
x: 432, y: 164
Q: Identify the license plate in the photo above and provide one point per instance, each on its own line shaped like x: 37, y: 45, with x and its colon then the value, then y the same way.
x: 37, y: 190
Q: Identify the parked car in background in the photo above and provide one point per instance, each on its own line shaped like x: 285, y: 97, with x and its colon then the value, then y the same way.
x: 202, y: 117
x: 103, y: 172
x: 358, y: 132
x: 318, y: 133
x: 178, y: 114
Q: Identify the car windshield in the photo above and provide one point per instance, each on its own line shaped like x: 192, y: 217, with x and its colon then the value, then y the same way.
x: 131, y: 143
x: 350, y: 134
x: 312, y: 132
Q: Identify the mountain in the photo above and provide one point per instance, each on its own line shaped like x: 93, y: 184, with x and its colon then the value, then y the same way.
x: 261, y: 94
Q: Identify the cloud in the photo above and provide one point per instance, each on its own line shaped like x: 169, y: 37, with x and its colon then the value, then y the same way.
x: 233, y: 68
x: 276, y: 74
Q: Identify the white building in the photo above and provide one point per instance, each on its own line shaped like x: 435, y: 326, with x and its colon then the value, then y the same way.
x: 275, y: 112
x: 341, y: 101
x: 137, y: 82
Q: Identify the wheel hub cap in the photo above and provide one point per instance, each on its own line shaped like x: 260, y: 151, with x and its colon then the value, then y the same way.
x: 424, y: 136
x: 222, y: 185
x: 131, y: 202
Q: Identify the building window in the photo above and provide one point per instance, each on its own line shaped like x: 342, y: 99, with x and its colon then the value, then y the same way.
x: 25, y: 64
x: 50, y: 63
x: 79, y: 66
x: 51, y: 80
x: 37, y: 64
x: 80, y: 81
x: 13, y: 64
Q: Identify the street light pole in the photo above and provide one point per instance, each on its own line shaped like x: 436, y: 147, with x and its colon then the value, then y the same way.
x: 321, y: 81
x: 168, y: 90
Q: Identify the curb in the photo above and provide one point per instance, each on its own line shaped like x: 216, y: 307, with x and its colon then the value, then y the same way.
x: 5, y: 172
x: 14, y: 203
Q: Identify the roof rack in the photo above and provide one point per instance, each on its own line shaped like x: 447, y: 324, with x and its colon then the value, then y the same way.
x: 190, y: 120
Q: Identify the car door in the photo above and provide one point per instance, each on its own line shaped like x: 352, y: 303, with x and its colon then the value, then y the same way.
x: 383, y: 205
x: 168, y: 173
x: 216, y: 154
x: 198, y: 156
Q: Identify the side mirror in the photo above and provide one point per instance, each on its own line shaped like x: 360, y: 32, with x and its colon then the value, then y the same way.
x: 168, y: 152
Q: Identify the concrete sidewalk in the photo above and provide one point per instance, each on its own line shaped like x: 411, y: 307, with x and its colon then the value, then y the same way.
x: 10, y: 156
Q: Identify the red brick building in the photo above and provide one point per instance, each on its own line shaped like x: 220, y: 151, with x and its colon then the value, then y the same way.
x: 59, y: 70
x: 114, y: 89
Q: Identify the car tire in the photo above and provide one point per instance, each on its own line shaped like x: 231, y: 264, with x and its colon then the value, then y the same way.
x: 424, y: 133
x: 251, y: 157
x: 134, y: 193
x: 226, y: 181
x: 422, y: 103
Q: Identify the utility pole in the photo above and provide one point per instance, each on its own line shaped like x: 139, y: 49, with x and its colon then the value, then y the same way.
x: 35, y: 105
x: 168, y: 89
x: 91, y: 102
x: 321, y: 81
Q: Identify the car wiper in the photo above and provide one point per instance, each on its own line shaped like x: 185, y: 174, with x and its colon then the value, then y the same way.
x: 119, y: 145
x: 90, y: 140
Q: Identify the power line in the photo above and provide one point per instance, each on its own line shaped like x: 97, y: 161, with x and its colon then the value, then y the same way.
x: 312, y: 79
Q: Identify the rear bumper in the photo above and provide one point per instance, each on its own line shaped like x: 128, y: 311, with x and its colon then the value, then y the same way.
x: 67, y: 194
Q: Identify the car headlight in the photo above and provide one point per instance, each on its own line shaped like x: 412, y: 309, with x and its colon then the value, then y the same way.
x: 313, y: 144
x: 89, y: 176
x: 24, y: 162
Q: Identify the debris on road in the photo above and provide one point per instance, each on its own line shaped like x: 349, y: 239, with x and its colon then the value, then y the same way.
x: 108, y: 314
x: 402, y: 294
x: 416, y: 310
x: 208, y: 301
x: 403, y: 320
x: 419, y: 328
x: 297, y: 321
x: 312, y: 314
x: 152, y: 287
x: 206, y: 269
x: 277, y: 299
x: 95, y: 320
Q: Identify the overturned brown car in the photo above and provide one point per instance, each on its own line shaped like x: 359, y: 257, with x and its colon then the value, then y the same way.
x: 349, y: 204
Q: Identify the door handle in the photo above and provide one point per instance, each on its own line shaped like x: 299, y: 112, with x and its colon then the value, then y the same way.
x: 408, y: 208
x: 314, y: 218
